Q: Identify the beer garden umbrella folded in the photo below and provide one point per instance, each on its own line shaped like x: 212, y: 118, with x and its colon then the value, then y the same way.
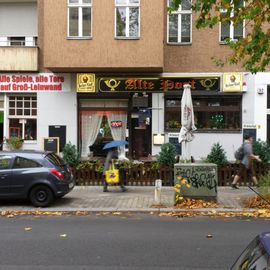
x: 187, y: 121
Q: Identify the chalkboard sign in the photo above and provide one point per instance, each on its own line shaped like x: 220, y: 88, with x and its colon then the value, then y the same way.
x: 51, y: 144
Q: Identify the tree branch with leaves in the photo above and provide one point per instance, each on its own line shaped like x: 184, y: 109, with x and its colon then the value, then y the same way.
x: 253, y: 49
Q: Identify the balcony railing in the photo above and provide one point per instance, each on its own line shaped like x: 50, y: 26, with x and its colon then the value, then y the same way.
x: 14, y: 58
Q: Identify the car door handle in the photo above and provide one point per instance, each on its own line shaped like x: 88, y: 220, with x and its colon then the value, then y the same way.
x: 3, y: 176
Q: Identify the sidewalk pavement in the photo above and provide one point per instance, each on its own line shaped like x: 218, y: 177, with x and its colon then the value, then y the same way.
x: 135, y: 199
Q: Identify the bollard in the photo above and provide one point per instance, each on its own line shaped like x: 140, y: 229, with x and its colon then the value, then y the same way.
x: 158, y: 185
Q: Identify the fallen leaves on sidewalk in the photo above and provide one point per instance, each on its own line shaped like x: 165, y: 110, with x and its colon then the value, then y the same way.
x: 257, y: 202
x: 260, y: 213
x: 11, y: 214
x: 187, y: 203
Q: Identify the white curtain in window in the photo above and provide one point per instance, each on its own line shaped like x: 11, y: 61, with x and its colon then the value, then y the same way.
x: 118, y: 133
x: 90, y: 128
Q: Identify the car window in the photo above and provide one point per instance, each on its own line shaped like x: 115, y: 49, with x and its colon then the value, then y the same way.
x: 55, y: 159
x: 5, y: 161
x: 254, y: 257
x: 21, y: 163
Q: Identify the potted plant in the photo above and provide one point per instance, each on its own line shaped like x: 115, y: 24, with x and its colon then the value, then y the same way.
x: 14, y: 143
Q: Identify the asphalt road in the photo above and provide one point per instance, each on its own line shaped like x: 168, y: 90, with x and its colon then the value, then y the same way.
x: 129, y: 242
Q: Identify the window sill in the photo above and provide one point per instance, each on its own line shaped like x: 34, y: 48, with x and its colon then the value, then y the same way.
x: 215, y: 130
x: 179, y: 43
x: 79, y: 38
x: 209, y: 130
x: 126, y: 38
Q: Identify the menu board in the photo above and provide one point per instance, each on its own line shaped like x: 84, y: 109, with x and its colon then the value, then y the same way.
x: 51, y: 144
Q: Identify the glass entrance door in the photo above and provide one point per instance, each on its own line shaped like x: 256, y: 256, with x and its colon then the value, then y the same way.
x: 141, y: 134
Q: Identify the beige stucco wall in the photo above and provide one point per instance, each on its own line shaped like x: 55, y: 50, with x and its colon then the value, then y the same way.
x: 103, y: 52
x: 197, y: 57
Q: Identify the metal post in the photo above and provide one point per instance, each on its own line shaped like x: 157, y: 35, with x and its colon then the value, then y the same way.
x: 158, y: 185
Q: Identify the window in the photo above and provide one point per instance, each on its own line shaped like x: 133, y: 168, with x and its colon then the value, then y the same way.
x: 211, y: 113
x: 22, y: 117
x: 179, y: 23
x: 127, y: 14
x: 228, y: 30
x: 5, y: 162
x: 55, y: 160
x: 79, y: 18
x: 16, y: 41
x: 21, y: 163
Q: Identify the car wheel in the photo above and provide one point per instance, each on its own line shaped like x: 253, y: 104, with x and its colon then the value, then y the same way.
x: 41, y: 196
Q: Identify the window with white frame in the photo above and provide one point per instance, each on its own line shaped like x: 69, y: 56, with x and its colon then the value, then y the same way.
x: 179, y: 23
x: 127, y: 18
x: 79, y: 18
x: 228, y: 30
x: 22, y: 116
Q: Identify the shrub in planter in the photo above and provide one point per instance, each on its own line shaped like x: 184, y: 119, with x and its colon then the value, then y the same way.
x: 14, y: 143
x: 71, y: 155
x: 217, y: 155
x: 90, y: 164
x: 262, y: 149
x: 264, y: 184
x: 167, y: 155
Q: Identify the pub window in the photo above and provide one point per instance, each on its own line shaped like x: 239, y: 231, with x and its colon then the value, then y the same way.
x: 22, y: 117
x: 79, y: 18
x: 179, y: 23
x: 210, y: 113
x: 127, y: 16
x: 229, y: 30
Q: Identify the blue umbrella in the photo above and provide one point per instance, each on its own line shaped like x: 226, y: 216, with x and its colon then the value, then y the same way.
x: 114, y: 144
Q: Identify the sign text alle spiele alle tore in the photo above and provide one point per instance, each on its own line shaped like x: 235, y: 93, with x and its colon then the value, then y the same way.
x: 24, y: 83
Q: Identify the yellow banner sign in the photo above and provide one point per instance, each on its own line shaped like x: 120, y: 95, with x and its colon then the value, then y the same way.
x: 86, y: 83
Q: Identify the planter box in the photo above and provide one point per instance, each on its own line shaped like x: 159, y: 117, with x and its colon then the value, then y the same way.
x: 202, y: 178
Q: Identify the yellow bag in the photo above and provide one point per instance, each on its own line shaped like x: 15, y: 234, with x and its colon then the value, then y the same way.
x: 112, y: 175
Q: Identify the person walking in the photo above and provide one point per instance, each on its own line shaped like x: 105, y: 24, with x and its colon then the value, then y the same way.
x: 247, y: 162
x: 112, y: 154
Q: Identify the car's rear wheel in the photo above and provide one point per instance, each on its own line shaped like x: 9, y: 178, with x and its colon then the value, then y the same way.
x: 41, y: 196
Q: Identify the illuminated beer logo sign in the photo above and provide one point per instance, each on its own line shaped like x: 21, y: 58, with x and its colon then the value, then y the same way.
x: 86, y: 83
x: 232, y: 82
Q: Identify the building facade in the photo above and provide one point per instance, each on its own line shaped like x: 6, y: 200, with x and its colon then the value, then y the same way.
x: 89, y: 71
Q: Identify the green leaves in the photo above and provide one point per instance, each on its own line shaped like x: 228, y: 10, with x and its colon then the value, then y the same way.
x: 70, y: 154
x: 167, y: 155
x: 217, y: 155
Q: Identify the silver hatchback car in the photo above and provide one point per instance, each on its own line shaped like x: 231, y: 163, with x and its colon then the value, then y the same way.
x: 256, y: 256
x: 38, y: 176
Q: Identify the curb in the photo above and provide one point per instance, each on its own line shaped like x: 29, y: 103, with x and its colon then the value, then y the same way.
x: 126, y: 210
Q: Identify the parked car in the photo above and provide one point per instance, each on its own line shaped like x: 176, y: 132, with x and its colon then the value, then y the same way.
x: 38, y: 176
x: 256, y: 256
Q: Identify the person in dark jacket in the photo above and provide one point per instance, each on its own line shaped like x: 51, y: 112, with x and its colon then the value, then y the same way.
x: 112, y: 154
x: 247, y: 162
